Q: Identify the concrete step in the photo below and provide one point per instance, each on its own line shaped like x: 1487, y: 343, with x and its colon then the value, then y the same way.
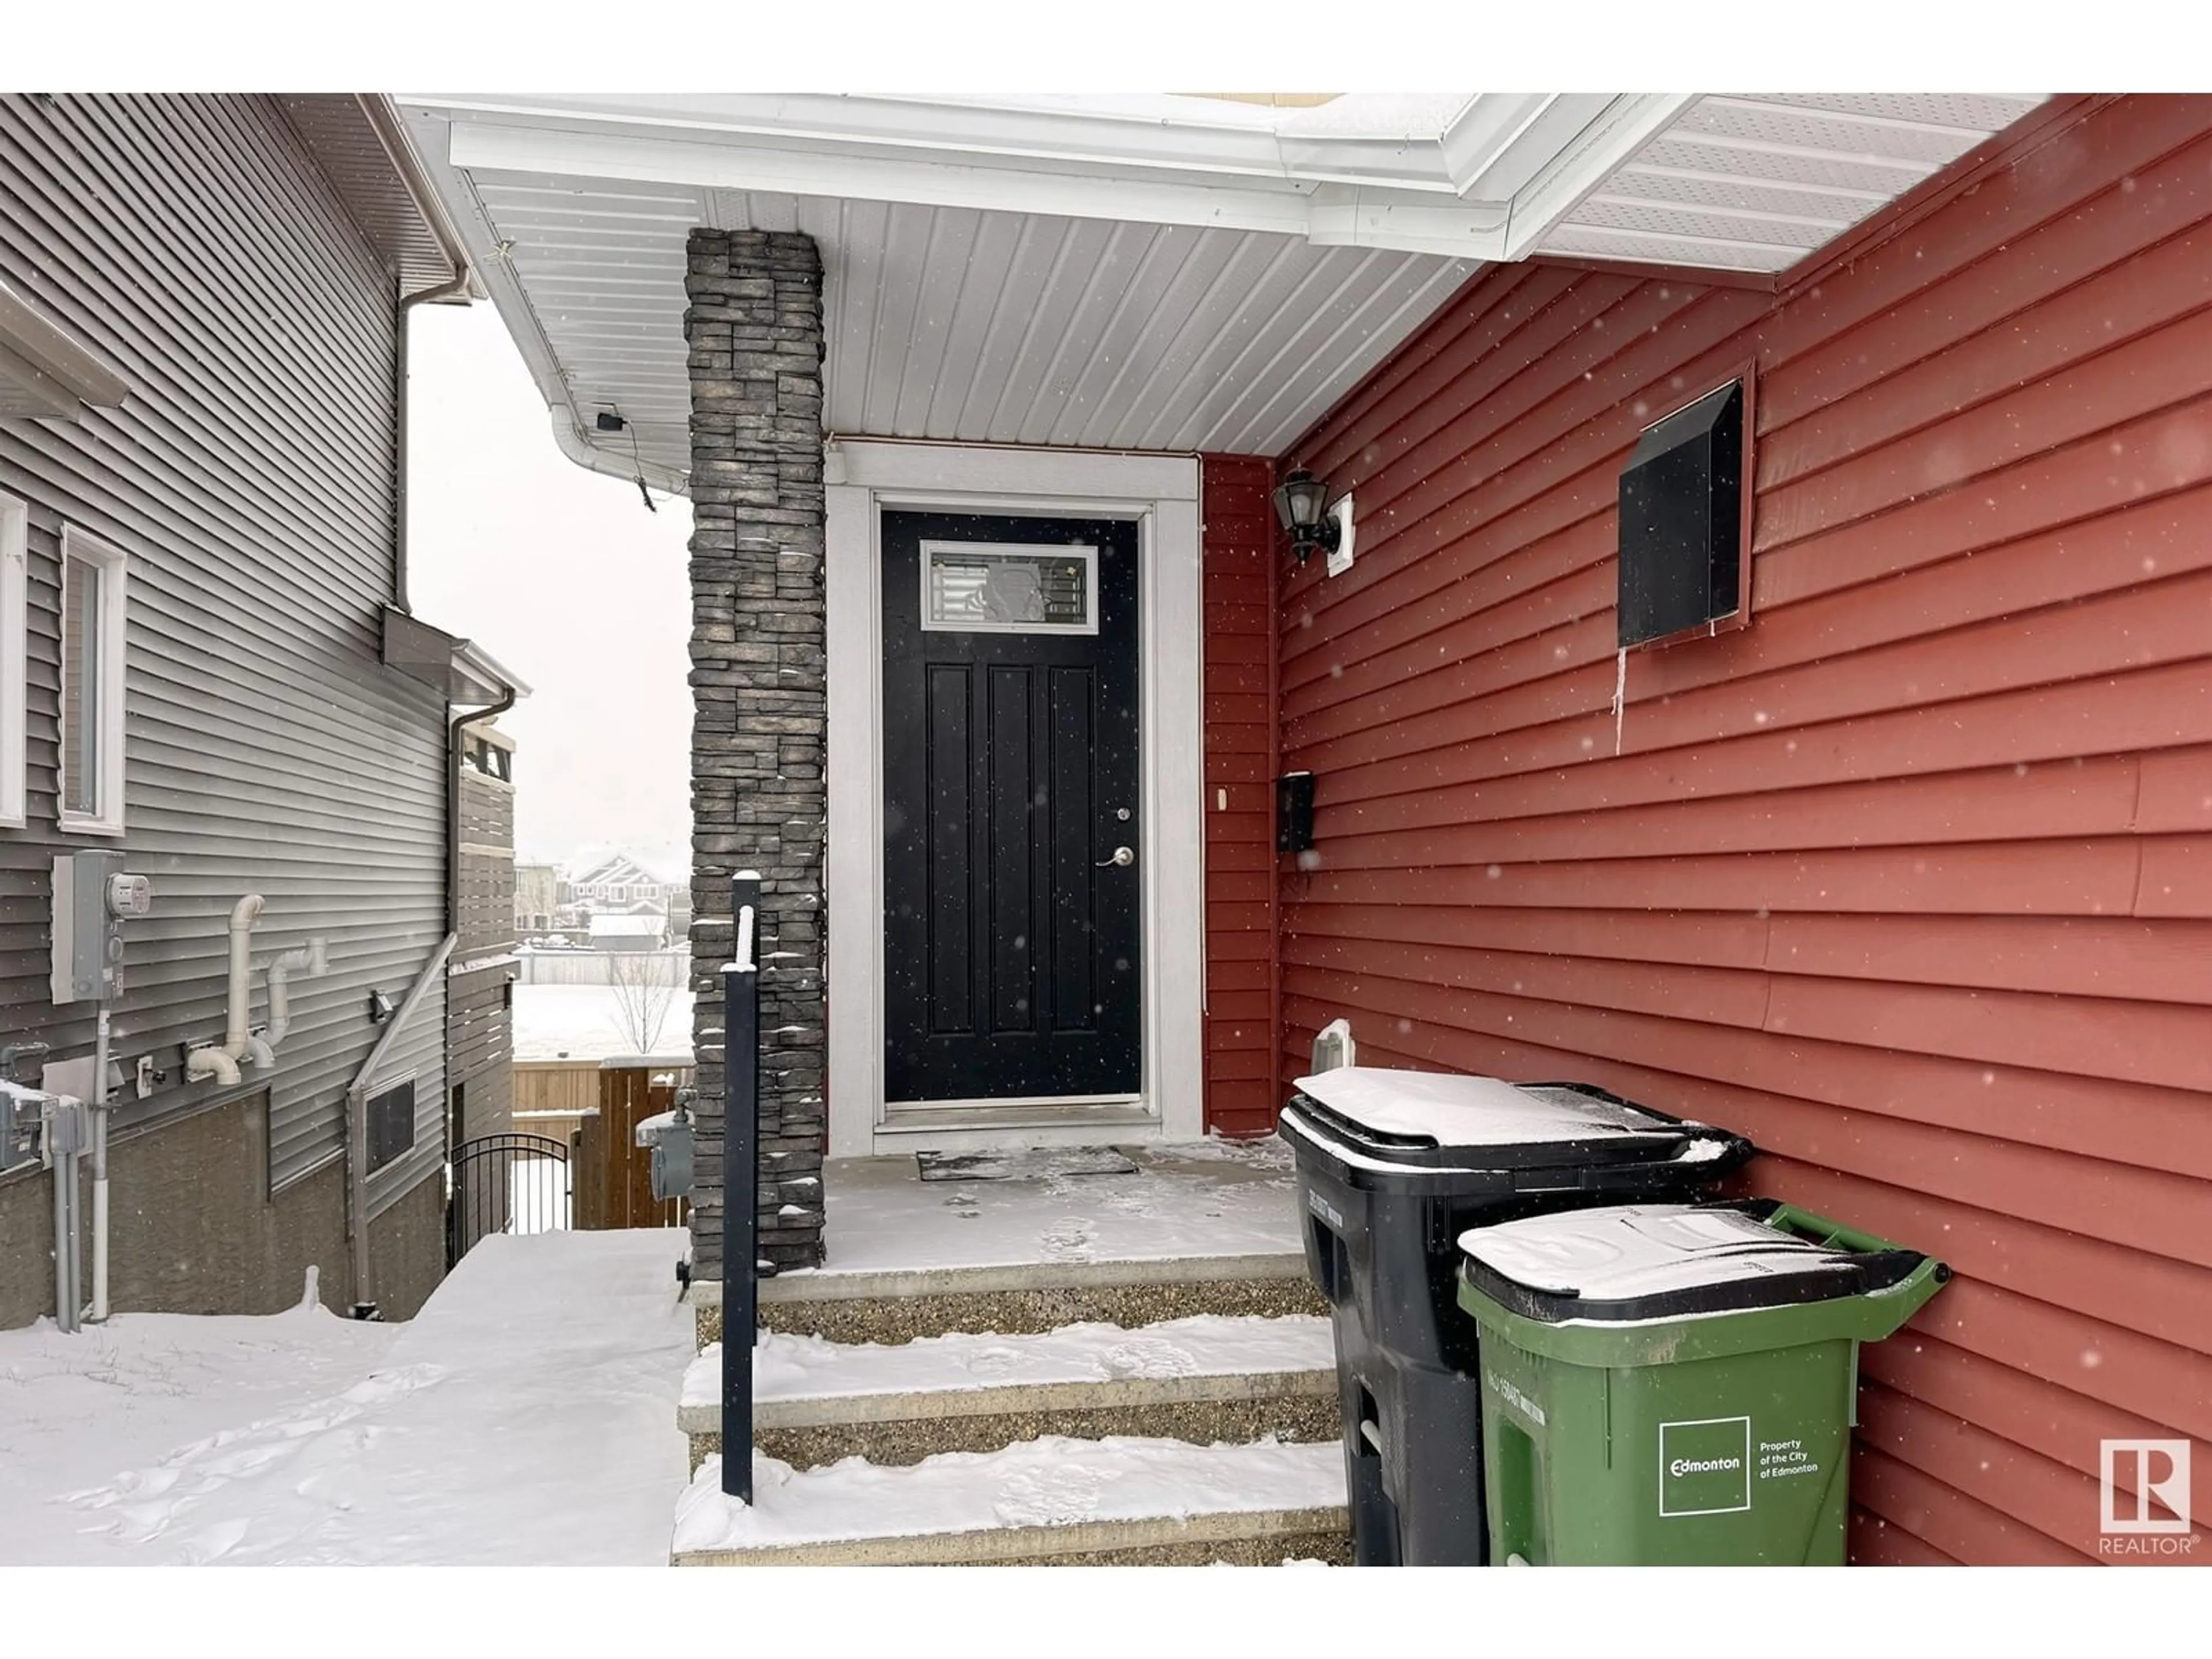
x: 1200, y: 1379
x: 1052, y: 1501
x: 901, y: 1304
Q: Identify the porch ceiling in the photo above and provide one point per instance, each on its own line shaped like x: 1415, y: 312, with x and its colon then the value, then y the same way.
x: 1158, y: 274
x: 1750, y: 182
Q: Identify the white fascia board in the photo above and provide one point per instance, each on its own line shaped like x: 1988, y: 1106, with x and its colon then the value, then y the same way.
x: 1461, y: 157
x: 1327, y: 215
x: 486, y: 673
x: 1198, y: 138
x: 1605, y: 145
x: 1496, y: 162
x: 616, y: 463
x: 1346, y: 217
x: 740, y: 166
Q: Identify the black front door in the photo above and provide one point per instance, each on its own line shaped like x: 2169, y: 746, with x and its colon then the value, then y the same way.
x: 1010, y: 886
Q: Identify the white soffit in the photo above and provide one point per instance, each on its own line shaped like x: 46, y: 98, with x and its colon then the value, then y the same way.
x: 950, y: 323
x: 1757, y: 181
x: 1159, y: 273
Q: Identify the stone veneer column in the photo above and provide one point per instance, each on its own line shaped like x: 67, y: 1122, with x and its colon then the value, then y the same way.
x: 759, y: 653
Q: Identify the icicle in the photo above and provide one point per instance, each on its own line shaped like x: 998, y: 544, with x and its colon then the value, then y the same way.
x: 1620, y: 698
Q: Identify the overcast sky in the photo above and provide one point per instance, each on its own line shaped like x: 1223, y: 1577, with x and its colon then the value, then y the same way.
x: 563, y: 576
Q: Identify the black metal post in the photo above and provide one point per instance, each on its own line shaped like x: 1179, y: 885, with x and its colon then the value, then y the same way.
x: 741, y: 1187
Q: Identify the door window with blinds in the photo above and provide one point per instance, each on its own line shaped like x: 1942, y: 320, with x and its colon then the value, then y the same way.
x: 93, y: 577
x: 970, y: 587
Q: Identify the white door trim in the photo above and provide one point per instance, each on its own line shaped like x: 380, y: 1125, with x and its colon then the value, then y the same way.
x: 1162, y: 493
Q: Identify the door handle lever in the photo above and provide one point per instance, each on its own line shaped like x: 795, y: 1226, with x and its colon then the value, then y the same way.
x: 1121, y: 859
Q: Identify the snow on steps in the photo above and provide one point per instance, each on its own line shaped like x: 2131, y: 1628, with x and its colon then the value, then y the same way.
x: 900, y: 1304
x: 803, y: 1381
x: 1204, y: 1378
x: 1049, y: 1500
x: 1208, y: 1227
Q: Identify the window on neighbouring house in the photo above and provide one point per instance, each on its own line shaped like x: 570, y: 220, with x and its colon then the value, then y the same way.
x: 14, y: 657
x: 93, y: 584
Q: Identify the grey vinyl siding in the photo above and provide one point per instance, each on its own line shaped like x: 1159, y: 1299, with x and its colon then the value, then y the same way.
x: 249, y: 479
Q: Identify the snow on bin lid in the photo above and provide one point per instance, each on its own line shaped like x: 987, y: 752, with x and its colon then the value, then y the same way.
x: 1453, y: 1109
x: 1640, y: 1250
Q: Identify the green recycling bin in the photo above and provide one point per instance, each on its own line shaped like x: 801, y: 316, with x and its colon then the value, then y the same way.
x: 1675, y: 1384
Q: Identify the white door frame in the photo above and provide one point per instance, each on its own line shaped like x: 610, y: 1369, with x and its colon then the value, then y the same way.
x: 1161, y: 492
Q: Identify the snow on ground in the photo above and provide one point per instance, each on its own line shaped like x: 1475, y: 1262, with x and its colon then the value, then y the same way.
x: 75, y: 1411
x: 1209, y: 1199
x: 786, y: 1367
x: 538, y: 1195
x: 1050, y: 1481
x: 525, y: 1416
x: 585, y: 1021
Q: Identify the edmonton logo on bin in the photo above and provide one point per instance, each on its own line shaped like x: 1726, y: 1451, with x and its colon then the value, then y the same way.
x: 1705, y: 1466
x: 1682, y: 1466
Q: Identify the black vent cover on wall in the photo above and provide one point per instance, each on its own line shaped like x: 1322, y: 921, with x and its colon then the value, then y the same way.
x: 1294, y: 811
x: 1681, y: 519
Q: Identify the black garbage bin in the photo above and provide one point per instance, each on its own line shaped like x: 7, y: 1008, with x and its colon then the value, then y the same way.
x: 1392, y: 1167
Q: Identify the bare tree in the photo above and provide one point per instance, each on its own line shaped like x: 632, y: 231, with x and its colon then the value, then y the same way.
x: 645, y: 986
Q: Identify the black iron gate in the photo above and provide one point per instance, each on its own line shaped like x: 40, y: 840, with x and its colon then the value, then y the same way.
x: 507, y: 1183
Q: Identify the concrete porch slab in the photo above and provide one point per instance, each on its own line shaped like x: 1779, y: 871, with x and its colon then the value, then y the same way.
x: 1047, y: 1500
x: 1205, y: 1211
x: 1207, y: 1227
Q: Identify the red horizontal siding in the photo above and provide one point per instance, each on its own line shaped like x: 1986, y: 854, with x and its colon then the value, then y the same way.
x: 1237, y: 542
x: 1910, y: 879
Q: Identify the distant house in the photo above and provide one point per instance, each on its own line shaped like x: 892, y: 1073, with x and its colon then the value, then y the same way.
x: 208, y: 668
x: 621, y: 880
x: 539, y: 899
x: 644, y: 929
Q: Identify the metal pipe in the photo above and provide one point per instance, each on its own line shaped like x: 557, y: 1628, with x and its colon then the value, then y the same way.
x: 66, y: 1274
x: 741, y: 1187
x: 100, y: 1110
x: 356, y: 1099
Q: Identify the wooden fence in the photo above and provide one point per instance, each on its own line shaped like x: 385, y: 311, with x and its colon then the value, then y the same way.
x: 611, y: 1174
x: 564, y: 1086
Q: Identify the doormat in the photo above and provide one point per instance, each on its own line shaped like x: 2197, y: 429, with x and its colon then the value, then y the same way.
x: 1036, y: 1163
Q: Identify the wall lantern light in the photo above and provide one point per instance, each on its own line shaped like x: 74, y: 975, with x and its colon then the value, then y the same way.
x: 1301, y: 502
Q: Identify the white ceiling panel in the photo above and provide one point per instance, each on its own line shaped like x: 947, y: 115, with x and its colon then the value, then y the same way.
x: 960, y: 324
x: 1757, y: 181
x: 1076, y: 273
